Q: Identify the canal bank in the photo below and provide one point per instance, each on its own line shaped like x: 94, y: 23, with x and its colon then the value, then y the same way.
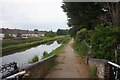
x: 23, y: 58
x: 21, y: 47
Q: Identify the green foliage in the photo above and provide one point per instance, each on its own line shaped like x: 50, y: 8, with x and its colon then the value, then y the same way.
x: 81, y: 48
x: 104, y: 41
x: 10, y: 42
x: 23, y: 46
x: 50, y: 34
x: 74, y: 30
x: 81, y: 35
x: 7, y: 36
x: 83, y: 15
x: 36, y: 30
x: 34, y: 59
x: 62, y: 32
x: 45, y: 55
x: 50, y: 42
x: 93, y: 71
x: 64, y: 41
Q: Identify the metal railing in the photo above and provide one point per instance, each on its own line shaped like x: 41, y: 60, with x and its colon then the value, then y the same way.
x: 36, y: 70
x: 8, y: 69
x: 114, y: 71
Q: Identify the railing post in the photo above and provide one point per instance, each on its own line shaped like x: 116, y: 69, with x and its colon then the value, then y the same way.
x: 118, y: 54
x: 118, y: 60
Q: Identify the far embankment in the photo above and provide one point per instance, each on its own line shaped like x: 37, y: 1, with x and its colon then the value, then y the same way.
x: 9, y: 49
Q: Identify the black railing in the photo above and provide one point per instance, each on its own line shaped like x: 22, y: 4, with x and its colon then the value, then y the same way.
x: 114, y: 71
x: 8, y: 69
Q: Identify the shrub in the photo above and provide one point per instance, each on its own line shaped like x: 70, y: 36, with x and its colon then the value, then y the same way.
x: 104, y: 41
x: 93, y: 71
x: 45, y: 55
x: 34, y: 59
x: 7, y: 36
x: 83, y: 34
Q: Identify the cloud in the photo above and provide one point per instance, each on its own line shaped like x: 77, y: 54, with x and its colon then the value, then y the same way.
x: 21, y: 12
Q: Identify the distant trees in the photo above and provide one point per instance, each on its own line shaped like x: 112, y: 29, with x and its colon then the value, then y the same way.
x: 62, y: 32
x: 50, y: 34
x: 7, y: 36
x: 36, y: 30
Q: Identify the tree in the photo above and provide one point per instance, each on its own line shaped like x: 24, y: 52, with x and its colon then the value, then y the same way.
x: 62, y: 32
x: 7, y: 36
x: 114, y: 11
x: 82, y: 15
x: 89, y: 15
x: 50, y: 34
x: 36, y: 30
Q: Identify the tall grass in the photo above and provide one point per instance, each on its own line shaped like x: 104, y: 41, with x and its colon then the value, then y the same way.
x: 45, y: 55
x: 34, y: 59
x: 93, y: 72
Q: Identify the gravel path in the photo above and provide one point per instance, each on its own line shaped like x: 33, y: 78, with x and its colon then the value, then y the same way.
x: 70, y: 65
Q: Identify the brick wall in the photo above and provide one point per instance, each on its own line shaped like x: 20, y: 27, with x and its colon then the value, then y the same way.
x: 101, y: 65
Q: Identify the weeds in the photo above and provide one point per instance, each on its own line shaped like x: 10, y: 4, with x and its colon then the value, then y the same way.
x: 34, y: 59
x: 93, y: 71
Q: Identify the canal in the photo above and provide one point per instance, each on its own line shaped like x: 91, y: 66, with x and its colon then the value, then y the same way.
x: 23, y: 58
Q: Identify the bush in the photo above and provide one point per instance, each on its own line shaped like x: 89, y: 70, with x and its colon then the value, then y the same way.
x: 7, y: 36
x: 34, y: 59
x: 104, y: 41
x: 83, y: 34
x: 93, y: 71
x: 50, y: 34
x: 45, y: 55
x: 81, y: 48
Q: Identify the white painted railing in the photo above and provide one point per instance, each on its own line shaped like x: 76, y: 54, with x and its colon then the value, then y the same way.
x: 116, y: 65
x: 17, y: 74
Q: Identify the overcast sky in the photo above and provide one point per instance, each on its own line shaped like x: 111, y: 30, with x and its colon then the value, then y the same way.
x: 32, y: 14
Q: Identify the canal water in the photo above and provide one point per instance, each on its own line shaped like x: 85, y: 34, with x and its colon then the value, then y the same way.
x: 22, y: 58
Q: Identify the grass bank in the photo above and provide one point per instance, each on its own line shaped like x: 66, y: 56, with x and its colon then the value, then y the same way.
x: 63, y: 42
x: 16, y: 41
x: 58, y: 50
x: 24, y: 46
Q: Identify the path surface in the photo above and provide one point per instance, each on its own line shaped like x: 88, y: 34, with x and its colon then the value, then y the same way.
x: 70, y: 65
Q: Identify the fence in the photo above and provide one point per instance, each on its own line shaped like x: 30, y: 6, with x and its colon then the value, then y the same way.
x: 105, y: 68
x: 35, y: 70
x: 114, y: 71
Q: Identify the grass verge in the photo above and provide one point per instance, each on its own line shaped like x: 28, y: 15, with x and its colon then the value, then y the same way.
x: 55, y: 52
x: 63, y: 42
x: 93, y: 72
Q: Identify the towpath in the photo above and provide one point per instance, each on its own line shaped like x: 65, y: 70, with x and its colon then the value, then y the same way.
x: 70, y: 65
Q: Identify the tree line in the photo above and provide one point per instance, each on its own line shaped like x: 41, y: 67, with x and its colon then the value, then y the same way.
x: 97, y: 24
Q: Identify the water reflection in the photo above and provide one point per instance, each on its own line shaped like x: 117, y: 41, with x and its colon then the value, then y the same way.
x: 23, y: 57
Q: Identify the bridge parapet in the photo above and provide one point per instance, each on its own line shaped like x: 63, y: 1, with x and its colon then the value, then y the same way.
x: 35, y: 70
x: 39, y: 69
